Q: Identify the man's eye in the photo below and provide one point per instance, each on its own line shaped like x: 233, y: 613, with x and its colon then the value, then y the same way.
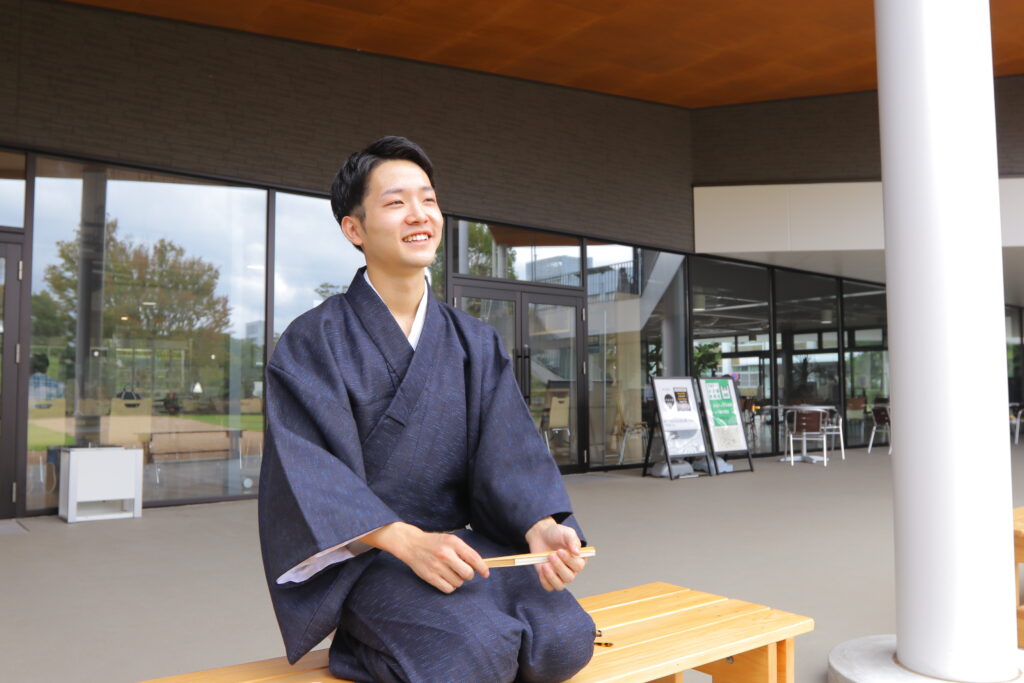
x: 394, y: 203
x: 430, y: 199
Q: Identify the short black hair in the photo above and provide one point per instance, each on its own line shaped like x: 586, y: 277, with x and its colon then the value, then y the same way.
x: 349, y: 187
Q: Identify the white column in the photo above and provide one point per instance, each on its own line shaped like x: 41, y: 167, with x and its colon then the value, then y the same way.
x: 951, y: 467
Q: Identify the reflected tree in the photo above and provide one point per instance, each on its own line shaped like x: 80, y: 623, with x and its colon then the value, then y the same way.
x: 151, y: 290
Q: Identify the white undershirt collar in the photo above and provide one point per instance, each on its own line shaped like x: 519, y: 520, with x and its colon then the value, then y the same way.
x: 421, y: 311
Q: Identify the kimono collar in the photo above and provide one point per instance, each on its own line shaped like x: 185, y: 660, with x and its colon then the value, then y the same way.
x: 382, y: 327
x: 421, y: 312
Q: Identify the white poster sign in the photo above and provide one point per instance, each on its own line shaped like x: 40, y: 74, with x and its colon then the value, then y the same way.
x: 680, y: 419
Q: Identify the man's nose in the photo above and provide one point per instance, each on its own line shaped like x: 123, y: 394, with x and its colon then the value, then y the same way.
x: 417, y: 212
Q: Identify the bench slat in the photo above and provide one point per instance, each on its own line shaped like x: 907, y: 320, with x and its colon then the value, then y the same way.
x: 678, y: 652
x: 647, y: 591
x: 274, y: 669
x: 659, y: 626
x: 613, y: 617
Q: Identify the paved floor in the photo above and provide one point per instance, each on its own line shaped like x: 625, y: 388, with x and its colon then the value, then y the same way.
x: 181, y: 589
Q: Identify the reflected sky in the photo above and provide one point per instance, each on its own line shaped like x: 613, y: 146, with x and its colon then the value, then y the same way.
x: 310, y: 250
x: 222, y: 225
x: 12, y: 203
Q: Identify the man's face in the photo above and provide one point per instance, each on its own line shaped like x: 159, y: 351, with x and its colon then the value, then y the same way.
x: 402, y: 223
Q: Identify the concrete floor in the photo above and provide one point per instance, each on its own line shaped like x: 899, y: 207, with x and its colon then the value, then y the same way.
x: 181, y: 589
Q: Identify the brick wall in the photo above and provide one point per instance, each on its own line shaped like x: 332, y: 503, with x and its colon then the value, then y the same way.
x: 821, y: 138
x: 99, y: 83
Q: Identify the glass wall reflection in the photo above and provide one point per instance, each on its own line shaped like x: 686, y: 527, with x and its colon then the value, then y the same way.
x: 731, y: 337
x: 1014, y: 353
x: 510, y: 253
x: 867, y: 358
x: 807, y: 339
x: 12, y: 190
x: 147, y: 327
x: 636, y: 319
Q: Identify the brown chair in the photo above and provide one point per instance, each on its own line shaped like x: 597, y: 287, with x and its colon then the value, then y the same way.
x: 807, y: 424
x: 880, y: 416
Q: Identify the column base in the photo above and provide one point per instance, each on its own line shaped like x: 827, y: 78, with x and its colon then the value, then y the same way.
x: 872, y: 659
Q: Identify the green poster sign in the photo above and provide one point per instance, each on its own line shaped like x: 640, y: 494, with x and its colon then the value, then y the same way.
x: 719, y: 397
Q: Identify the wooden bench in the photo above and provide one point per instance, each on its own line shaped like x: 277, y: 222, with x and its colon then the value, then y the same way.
x: 203, y: 444
x: 656, y: 631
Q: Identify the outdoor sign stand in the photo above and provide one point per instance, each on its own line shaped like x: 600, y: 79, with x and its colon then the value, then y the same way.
x: 725, y: 422
x: 679, y: 421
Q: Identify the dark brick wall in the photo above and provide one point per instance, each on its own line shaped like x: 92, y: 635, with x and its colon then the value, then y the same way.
x: 817, y: 138
x: 1010, y: 124
x: 821, y: 138
x: 97, y: 83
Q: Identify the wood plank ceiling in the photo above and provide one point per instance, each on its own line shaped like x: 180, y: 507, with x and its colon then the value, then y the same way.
x: 688, y: 53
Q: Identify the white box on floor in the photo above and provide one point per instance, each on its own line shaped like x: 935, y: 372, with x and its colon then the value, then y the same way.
x: 100, y: 483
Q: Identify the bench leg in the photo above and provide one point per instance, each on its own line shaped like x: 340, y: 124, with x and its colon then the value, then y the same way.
x: 760, y: 665
x: 786, y: 660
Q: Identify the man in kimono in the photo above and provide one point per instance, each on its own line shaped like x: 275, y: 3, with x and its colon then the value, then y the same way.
x: 394, y: 422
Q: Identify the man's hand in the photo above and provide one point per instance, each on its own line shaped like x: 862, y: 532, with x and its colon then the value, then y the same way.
x: 562, y: 566
x: 444, y: 561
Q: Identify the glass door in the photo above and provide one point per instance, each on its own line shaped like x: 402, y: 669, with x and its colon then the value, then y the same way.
x: 10, y: 356
x: 541, y: 334
x: 551, y: 371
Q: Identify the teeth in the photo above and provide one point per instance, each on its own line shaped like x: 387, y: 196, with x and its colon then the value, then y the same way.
x: 417, y: 238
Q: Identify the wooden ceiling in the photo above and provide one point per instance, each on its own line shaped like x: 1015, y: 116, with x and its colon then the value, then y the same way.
x: 688, y: 53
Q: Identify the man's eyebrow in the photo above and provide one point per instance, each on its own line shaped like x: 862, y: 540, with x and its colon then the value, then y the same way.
x: 400, y: 190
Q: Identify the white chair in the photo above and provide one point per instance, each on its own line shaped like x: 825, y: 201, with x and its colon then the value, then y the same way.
x: 807, y: 424
x: 882, y: 423
x: 834, y: 427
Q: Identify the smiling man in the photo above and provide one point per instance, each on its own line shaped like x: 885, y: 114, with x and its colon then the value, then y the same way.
x: 399, y: 453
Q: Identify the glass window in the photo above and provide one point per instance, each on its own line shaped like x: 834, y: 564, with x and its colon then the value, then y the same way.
x: 510, y: 253
x: 147, y: 326
x: 1014, y: 353
x: 636, y: 318
x: 731, y: 337
x: 806, y: 306
x: 12, y: 190
x: 867, y: 360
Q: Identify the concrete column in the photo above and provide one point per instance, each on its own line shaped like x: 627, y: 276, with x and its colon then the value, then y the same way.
x: 951, y: 467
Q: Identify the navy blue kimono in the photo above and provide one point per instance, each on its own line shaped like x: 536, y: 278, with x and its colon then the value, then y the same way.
x: 363, y: 431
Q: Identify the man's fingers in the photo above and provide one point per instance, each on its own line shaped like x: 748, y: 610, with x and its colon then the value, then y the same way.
x: 560, y: 569
x: 472, y: 558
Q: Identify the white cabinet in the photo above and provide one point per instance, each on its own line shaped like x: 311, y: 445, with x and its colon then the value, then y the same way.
x: 100, y: 483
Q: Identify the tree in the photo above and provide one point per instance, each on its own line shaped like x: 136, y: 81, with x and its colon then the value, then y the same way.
x: 706, y: 358
x: 326, y: 290
x: 151, y: 291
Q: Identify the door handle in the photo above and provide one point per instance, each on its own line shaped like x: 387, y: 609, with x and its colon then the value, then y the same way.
x: 526, y: 373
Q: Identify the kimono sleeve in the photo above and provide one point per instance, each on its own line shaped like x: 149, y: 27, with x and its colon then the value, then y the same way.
x: 515, y: 481
x: 313, y: 492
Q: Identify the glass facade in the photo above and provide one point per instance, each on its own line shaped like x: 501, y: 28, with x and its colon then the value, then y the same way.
x: 866, y: 358
x: 148, y: 306
x: 147, y: 327
x: 636, y: 318
x: 731, y: 336
x: 807, y: 339
x: 500, y: 251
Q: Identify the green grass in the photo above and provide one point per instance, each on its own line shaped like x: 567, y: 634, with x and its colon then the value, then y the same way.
x: 41, y: 437
x: 249, y: 423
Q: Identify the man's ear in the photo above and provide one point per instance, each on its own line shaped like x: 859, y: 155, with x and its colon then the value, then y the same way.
x: 353, y: 230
